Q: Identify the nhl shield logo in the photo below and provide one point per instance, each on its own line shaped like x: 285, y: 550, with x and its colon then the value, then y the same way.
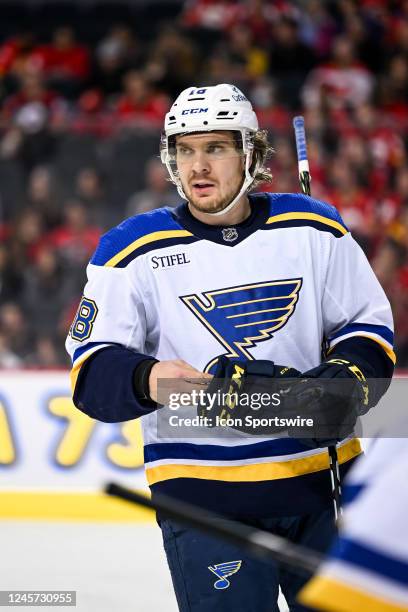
x: 229, y: 234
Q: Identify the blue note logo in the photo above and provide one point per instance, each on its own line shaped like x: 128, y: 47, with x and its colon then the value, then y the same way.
x: 224, y: 571
x: 241, y: 317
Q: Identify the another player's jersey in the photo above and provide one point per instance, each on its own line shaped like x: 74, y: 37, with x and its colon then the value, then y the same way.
x: 367, y: 568
x: 282, y: 284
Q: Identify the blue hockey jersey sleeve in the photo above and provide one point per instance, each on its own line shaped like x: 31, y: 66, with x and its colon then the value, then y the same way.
x: 106, y: 343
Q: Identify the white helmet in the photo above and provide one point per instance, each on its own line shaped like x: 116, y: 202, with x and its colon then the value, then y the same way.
x: 206, y: 109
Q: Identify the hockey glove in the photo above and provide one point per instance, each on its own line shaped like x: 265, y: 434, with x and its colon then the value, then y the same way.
x: 333, y: 395
x: 234, y: 393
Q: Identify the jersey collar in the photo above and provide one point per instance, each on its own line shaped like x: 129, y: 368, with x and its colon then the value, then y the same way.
x: 230, y: 235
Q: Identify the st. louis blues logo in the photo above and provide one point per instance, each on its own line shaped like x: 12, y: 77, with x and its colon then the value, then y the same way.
x: 223, y: 571
x: 241, y: 317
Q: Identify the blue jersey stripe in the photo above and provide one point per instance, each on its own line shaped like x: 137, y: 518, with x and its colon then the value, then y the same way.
x: 82, y: 349
x: 365, y: 557
x: 305, y: 494
x: 351, y: 492
x: 173, y: 450
x: 130, y: 230
x: 381, y: 330
x: 155, y: 246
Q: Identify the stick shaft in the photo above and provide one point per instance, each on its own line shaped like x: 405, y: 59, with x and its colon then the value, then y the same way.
x: 305, y: 179
x: 261, y: 544
x: 303, y: 163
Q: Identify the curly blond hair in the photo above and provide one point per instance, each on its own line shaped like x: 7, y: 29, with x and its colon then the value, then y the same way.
x: 262, y: 152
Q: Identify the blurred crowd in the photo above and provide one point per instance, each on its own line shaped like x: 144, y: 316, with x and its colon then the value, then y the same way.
x: 341, y: 63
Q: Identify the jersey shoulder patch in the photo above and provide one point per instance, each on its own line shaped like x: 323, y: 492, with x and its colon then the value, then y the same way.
x: 296, y: 210
x: 138, y: 235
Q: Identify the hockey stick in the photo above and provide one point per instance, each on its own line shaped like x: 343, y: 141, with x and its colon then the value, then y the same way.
x: 305, y: 180
x: 261, y: 544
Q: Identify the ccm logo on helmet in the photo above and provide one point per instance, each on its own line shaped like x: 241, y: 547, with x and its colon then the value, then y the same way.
x: 239, y: 98
x: 194, y: 111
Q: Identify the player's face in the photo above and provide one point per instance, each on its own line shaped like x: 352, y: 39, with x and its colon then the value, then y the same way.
x: 210, y: 168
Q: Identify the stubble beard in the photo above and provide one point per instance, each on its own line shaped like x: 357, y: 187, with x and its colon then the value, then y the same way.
x: 210, y: 207
x: 215, y: 205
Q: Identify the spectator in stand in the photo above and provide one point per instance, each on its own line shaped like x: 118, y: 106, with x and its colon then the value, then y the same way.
x: 399, y: 36
x: 173, y: 61
x: 89, y: 190
x: 217, y: 69
x: 128, y: 45
x: 393, y: 91
x: 384, y: 143
x: 15, y: 49
x: 11, y: 278
x: 46, y: 291
x: 26, y: 240
x: 14, y: 53
x: 15, y: 329
x: 210, y: 14
x: 65, y: 62
x: 158, y: 192
x: 75, y: 241
x: 290, y: 60
x: 353, y: 150
x: 284, y: 160
x: 366, y: 39
x: 342, y: 83
x: 8, y: 359
x: 44, y: 196
x: 46, y: 354
x: 391, y: 267
x: 317, y: 28
x: 391, y: 203
x: 117, y: 53
x: 256, y: 15
x: 355, y: 204
x: 140, y: 106
x: 92, y: 115
x: 248, y: 61
x: 270, y: 114
x: 29, y: 115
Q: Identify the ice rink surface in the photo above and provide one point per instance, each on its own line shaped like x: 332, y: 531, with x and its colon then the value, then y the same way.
x: 113, y: 567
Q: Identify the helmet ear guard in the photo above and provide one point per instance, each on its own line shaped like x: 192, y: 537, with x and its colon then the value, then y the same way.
x: 208, y: 109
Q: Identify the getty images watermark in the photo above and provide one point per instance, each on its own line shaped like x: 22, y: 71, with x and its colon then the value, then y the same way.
x: 251, y: 401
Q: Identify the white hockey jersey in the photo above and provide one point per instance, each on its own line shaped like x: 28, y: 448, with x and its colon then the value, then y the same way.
x: 367, y: 568
x: 278, y: 286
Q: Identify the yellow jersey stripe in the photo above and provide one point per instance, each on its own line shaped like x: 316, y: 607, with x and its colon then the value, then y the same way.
x: 76, y: 369
x: 136, y: 244
x: 255, y: 472
x: 309, y: 217
x: 384, y: 346
x: 389, y: 352
x: 325, y: 593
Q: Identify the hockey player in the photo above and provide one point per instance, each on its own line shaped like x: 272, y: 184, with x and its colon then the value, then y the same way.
x: 367, y: 566
x: 255, y: 278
